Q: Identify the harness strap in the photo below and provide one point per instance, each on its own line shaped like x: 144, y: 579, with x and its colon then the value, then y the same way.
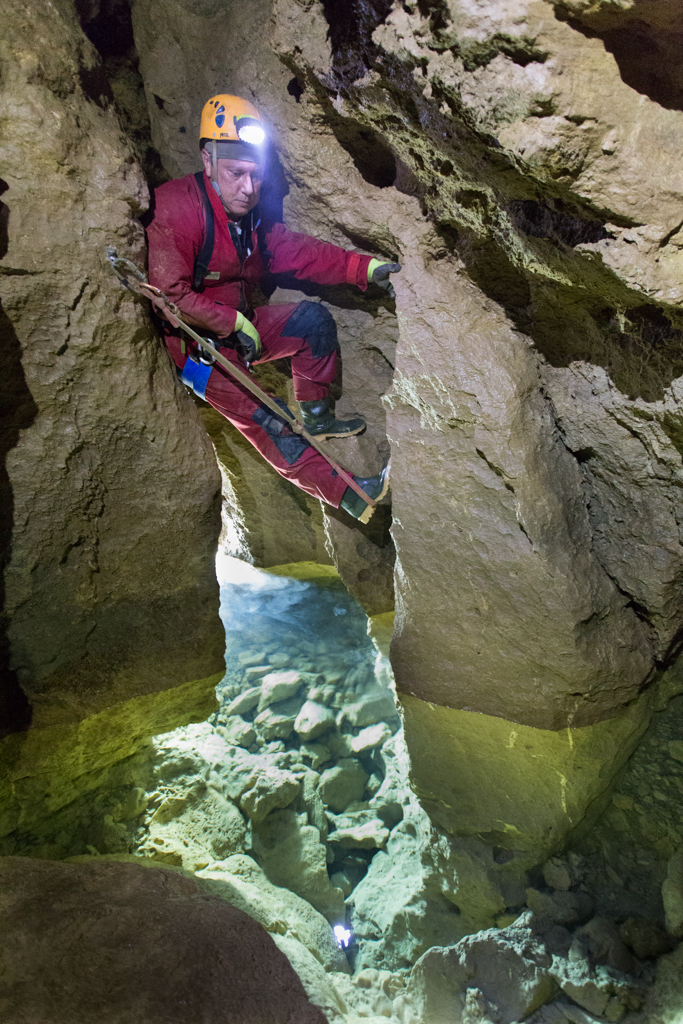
x: 201, y: 263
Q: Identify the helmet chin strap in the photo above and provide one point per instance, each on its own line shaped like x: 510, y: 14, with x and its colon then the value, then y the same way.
x: 214, y: 169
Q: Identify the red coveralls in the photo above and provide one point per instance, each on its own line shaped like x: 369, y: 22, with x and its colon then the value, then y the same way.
x: 175, y: 236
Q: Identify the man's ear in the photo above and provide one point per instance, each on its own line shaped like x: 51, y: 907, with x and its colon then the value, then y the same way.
x: 206, y: 160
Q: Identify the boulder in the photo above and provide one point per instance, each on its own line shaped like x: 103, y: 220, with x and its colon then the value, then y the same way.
x: 245, y: 702
x: 645, y: 938
x: 316, y: 753
x: 277, y: 720
x: 277, y: 686
x: 280, y: 659
x: 366, y: 835
x: 509, y: 967
x: 605, y: 945
x: 592, y: 988
x: 663, y: 1004
x: 557, y: 874
x: 313, y: 720
x: 271, y: 788
x: 373, y: 707
x: 237, y: 732
x: 250, y: 658
x: 340, y: 785
x: 560, y: 907
x: 103, y: 940
x: 370, y: 738
x: 256, y: 672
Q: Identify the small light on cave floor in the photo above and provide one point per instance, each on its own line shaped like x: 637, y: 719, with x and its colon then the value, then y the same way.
x: 342, y: 935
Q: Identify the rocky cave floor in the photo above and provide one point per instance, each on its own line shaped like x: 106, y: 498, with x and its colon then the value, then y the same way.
x: 293, y: 802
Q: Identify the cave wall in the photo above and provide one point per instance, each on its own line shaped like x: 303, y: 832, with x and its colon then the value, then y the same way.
x: 517, y: 162
x: 535, y: 409
x: 110, y: 490
x: 505, y: 156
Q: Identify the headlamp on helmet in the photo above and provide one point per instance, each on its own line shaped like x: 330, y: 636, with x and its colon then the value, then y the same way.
x: 228, y: 118
x: 250, y: 130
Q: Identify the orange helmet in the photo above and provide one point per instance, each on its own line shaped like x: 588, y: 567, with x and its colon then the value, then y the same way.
x: 231, y: 119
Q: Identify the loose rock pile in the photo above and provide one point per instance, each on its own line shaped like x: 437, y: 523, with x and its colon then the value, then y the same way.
x: 297, y: 790
x: 292, y: 768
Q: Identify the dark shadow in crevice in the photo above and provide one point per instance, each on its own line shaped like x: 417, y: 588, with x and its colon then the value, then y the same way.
x: 96, y: 87
x: 648, y: 55
x: 551, y: 220
x: 295, y: 89
x: 641, y: 347
x: 18, y: 411
x: 343, y: 296
x: 373, y: 157
x: 351, y: 24
x: 108, y: 25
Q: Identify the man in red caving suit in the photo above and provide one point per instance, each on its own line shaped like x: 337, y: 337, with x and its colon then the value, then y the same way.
x: 208, y: 247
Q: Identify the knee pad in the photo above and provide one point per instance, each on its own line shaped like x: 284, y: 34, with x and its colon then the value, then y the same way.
x: 315, y: 323
x: 291, y: 446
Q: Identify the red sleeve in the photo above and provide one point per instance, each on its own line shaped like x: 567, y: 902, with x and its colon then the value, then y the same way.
x: 311, y: 260
x: 175, y: 237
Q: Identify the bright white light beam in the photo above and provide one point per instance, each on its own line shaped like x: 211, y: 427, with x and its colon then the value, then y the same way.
x: 342, y: 935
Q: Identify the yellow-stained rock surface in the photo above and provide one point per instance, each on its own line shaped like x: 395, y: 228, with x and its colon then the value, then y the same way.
x: 513, y: 786
x: 110, y: 493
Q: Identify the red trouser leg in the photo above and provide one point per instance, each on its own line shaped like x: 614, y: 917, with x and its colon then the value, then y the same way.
x: 313, y: 354
x: 287, y: 452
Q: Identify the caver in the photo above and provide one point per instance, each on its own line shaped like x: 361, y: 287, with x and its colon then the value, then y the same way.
x: 209, y: 246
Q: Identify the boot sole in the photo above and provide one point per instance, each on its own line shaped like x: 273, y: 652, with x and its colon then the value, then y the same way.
x: 370, y: 509
x: 345, y: 433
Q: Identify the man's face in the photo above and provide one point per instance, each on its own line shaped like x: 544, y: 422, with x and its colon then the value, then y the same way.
x: 240, y: 183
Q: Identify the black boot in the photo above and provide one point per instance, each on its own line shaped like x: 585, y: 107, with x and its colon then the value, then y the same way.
x: 320, y: 421
x: 374, y: 486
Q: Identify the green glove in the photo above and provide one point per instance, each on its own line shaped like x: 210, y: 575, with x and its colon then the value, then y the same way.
x: 378, y: 273
x: 248, y: 338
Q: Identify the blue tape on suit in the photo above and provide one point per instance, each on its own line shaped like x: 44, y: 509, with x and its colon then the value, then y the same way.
x: 196, y: 376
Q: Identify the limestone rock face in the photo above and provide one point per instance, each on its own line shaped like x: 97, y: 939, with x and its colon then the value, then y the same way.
x: 152, y: 945
x: 265, y: 519
x: 110, y: 514
x: 491, y: 445
x: 528, y: 184
x: 516, y: 161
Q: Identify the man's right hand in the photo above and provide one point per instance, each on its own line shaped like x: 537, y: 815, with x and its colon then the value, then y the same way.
x: 248, y: 338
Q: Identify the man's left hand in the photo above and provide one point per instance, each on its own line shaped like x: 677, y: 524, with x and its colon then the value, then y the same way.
x: 248, y: 339
x: 378, y: 273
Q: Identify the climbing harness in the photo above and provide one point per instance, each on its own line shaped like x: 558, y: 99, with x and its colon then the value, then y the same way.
x: 201, y: 263
x: 197, y: 376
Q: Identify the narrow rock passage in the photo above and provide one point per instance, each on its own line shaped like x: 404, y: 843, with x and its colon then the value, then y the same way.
x: 302, y: 768
x: 300, y: 781
x: 296, y: 744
